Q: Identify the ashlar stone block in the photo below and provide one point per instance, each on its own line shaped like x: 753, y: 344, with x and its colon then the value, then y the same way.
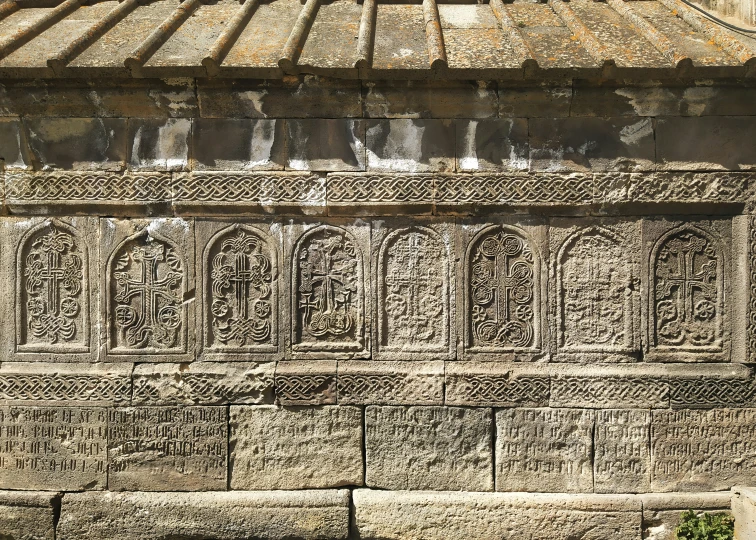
x: 622, y: 454
x: 594, y: 295
x: 295, y: 448
x: 27, y: 515
x: 693, y: 450
x: 240, y: 312
x: 662, y: 511
x: 686, y: 266
x: 435, y: 448
x: 410, y: 145
x: 544, y: 450
x: 499, y: 144
x: 53, y: 448
x: 167, y: 448
x: 230, y: 144
x: 399, y: 515
x: 13, y: 150
x: 277, y: 515
x: 614, y: 386
x: 147, y: 280
x: 306, y: 382
x: 495, y: 384
x: 50, y: 265
x: 744, y: 510
x: 502, y: 313
x: 159, y: 143
x: 204, y: 383
x: 326, y: 144
x: 415, y: 287
x: 330, y: 289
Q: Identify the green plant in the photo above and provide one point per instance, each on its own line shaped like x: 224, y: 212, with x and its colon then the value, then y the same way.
x: 705, y: 526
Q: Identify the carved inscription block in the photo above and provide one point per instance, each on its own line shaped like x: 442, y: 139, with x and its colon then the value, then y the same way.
x: 622, y: 459
x: 595, y: 290
x: 695, y: 450
x: 167, y: 448
x: 53, y: 448
x: 502, y: 297
x: 544, y: 450
x: 295, y: 448
x: 329, y: 291
x: 436, y: 448
x: 240, y: 291
x: 146, y: 277
x: 688, y: 273
x: 53, y: 305
x: 415, y: 290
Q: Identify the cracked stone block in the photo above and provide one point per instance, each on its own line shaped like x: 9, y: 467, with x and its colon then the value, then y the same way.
x: 433, y: 448
x: 53, y: 448
x: 295, y: 447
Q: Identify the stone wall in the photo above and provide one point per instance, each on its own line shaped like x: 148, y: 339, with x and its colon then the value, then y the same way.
x: 309, y: 309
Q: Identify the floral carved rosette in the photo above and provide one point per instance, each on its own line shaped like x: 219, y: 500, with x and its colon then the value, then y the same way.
x: 52, y: 274
x: 241, y: 304
x: 328, y: 294
x: 502, y: 291
x: 147, y: 295
x: 686, y: 291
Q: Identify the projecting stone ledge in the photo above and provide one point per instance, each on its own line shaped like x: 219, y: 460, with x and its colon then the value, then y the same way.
x: 271, y: 515
x: 405, y: 515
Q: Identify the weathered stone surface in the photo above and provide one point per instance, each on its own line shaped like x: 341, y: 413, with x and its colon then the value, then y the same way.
x: 416, y: 291
x: 230, y: 144
x: 325, y: 145
x: 77, y: 143
x: 615, y: 386
x: 430, y: 99
x: 718, y: 385
x: 278, y: 515
x: 167, y: 448
x: 295, y: 448
x: 159, y: 144
x: 410, y: 145
x: 544, y: 450
x: 622, y: 451
x: 662, y: 511
x: 744, y: 512
x: 80, y: 98
x: 304, y: 97
x: 492, y: 516
x: 534, y: 101
x: 500, y: 144
x: 204, y: 383
x: 595, y: 144
x: 27, y: 515
x: 595, y: 299
x: 494, y: 384
x: 437, y: 448
x: 146, y: 275
x: 13, y: 145
x: 706, y: 143
x: 53, y: 448
x: 686, y: 266
x: 39, y: 383
x: 500, y: 311
x: 330, y: 291
x: 391, y: 383
x: 241, y: 275
x: 306, y: 382
x: 671, y: 188
x: 52, y: 300
x: 702, y: 450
